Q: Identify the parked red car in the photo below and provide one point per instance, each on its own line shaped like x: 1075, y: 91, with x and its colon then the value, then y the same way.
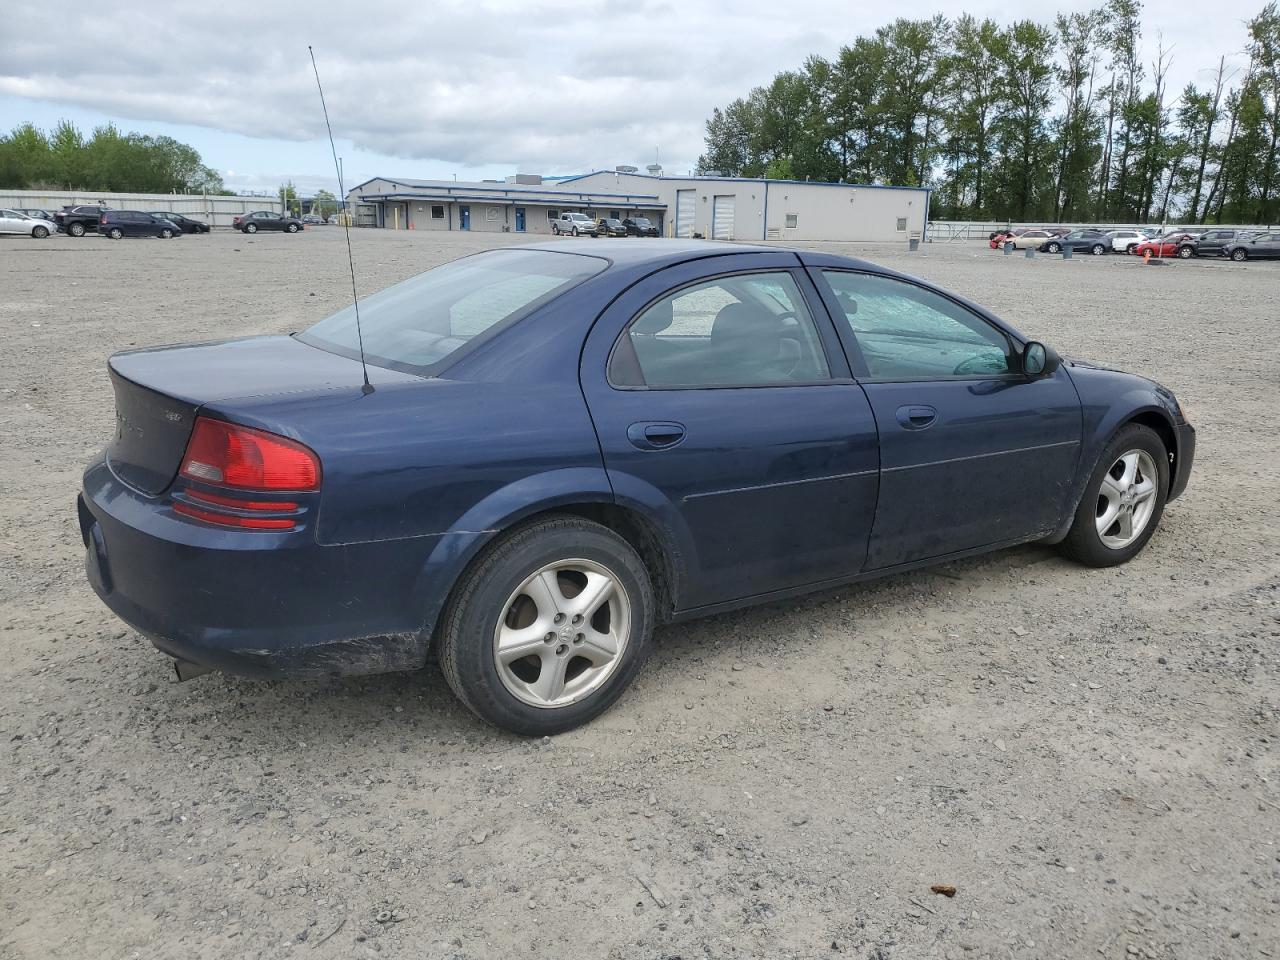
x: 1166, y: 246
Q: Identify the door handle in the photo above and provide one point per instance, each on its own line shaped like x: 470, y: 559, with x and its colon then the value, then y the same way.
x: 917, y: 417
x: 648, y: 435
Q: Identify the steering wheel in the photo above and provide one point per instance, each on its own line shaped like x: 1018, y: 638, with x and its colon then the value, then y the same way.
x: 976, y: 364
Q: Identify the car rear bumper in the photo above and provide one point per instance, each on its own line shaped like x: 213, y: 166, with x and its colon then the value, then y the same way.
x: 1186, y: 456
x: 261, y: 604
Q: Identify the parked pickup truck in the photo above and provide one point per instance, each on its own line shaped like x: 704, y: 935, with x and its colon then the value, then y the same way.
x: 574, y: 224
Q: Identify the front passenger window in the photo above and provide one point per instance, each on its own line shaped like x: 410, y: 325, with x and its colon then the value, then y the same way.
x: 905, y: 332
x: 736, y: 331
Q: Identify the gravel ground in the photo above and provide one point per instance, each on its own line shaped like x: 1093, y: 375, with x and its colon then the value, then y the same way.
x: 1090, y: 757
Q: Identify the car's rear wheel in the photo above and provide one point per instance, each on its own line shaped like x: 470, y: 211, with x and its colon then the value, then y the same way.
x: 1239, y: 256
x: 39, y: 232
x: 115, y: 233
x: 1097, y: 249
x: 1124, y: 500
x: 1055, y: 248
x: 76, y: 229
x: 549, y: 627
x: 251, y: 228
x: 292, y: 228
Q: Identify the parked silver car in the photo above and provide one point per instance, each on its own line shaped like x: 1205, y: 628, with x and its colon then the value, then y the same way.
x: 14, y: 221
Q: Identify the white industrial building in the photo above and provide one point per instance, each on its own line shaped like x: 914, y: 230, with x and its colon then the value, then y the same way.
x: 721, y: 208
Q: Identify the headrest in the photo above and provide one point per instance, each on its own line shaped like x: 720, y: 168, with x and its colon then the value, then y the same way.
x: 656, y: 319
x: 743, y: 320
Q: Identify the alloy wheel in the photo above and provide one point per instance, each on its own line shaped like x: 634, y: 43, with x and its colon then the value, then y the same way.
x: 1126, y: 499
x: 562, y: 633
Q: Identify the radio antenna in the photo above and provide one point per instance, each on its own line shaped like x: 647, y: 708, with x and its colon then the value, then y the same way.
x: 346, y: 226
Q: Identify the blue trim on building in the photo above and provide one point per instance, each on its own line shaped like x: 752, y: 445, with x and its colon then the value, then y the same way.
x: 807, y: 183
x: 561, y: 200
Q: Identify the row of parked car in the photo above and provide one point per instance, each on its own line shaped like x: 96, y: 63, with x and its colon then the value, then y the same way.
x: 579, y: 224
x: 78, y: 219
x: 1238, y: 245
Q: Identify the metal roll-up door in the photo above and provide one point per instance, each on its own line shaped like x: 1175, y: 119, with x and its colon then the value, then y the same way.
x: 722, y: 217
x: 684, y: 212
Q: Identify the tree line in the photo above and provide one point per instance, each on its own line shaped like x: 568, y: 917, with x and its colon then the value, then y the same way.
x: 1061, y: 121
x: 64, y: 159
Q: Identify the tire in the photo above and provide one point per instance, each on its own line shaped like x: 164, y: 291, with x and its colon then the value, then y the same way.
x: 489, y: 596
x: 1097, y: 249
x: 115, y: 233
x: 575, y: 231
x: 251, y: 228
x: 1239, y: 256
x: 1130, y: 248
x: 1085, y: 543
x: 292, y: 228
x: 76, y: 229
x: 40, y: 232
x: 1185, y: 253
x: 1055, y: 248
x: 166, y: 234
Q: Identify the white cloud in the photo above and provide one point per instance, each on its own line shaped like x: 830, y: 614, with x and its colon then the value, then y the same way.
x: 542, y: 85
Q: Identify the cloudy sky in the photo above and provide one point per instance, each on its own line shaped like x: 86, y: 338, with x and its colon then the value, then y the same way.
x: 447, y: 88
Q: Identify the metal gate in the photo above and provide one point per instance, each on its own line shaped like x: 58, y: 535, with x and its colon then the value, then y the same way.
x: 722, y: 217
x: 684, y: 212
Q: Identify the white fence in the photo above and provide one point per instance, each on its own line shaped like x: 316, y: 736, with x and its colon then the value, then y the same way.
x: 949, y: 231
x: 216, y: 211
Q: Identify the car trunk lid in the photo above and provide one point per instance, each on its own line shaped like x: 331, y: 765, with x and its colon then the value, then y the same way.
x: 159, y: 392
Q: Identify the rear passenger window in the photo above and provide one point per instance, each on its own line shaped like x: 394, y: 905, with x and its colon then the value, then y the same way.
x: 744, y: 330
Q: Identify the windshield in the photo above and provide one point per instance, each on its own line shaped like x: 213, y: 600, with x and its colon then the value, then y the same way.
x: 641, y: 221
x: 416, y: 324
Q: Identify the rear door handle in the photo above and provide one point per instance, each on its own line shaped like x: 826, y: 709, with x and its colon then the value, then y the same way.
x: 650, y: 435
x: 917, y: 417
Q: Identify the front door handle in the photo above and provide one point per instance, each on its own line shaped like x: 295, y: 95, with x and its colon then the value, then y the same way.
x: 650, y: 435
x: 917, y: 417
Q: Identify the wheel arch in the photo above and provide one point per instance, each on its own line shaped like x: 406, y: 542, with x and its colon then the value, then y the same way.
x: 457, y: 552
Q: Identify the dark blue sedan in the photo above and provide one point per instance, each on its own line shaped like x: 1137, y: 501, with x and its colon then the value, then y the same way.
x: 565, y: 446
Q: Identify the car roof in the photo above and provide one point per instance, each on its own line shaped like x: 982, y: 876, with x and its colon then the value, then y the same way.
x: 655, y: 251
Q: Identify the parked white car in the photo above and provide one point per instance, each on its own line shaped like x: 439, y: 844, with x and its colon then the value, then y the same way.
x: 11, y: 221
x: 1029, y: 239
x: 1123, y: 241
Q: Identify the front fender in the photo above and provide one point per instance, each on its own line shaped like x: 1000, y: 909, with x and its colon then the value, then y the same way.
x: 1109, y: 399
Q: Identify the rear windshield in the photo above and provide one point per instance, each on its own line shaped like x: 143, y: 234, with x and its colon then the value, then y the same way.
x: 415, y: 325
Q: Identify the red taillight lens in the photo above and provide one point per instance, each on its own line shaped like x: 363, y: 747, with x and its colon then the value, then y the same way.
x: 234, y: 456
x: 229, y: 520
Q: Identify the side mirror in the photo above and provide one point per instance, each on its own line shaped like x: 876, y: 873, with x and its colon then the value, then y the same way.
x: 1038, y: 360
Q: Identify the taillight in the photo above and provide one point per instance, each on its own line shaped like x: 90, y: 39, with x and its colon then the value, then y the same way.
x: 230, y: 455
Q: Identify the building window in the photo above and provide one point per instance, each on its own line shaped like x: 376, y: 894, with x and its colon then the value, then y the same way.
x: 553, y: 215
x: 902, y: 224
x: 792, y: 221
x: 493, y: 213
x: 437, y: 211
x: 616, y: 214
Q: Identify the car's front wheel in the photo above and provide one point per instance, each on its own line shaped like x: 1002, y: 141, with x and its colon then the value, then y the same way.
x: 1124, y: 500
x: 549, y: 627
x: 574, y: 231
x: 166, y: 234
x: 1097, y: 249
x: 39, y: 232
x: 1055, y: 248
x: 292, y: 228
x: 1239, y: 256
x: 1185, y: 252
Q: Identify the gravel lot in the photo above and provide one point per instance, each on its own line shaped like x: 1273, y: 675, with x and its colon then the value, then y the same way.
x: 1089, y: 756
